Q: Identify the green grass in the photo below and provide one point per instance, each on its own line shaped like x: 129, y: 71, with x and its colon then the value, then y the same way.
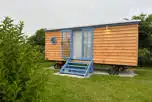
x: 99, y: 88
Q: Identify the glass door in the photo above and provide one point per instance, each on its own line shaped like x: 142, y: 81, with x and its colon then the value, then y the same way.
x: 82, y: 44
x: 87, y: 44
x: 77, y: 44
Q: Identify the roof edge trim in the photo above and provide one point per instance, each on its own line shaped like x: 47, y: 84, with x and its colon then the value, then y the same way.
x: 94, y: 26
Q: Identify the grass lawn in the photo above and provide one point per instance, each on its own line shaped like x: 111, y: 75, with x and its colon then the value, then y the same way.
x: 99, y: 88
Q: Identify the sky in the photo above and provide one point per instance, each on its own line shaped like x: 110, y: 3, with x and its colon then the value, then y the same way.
x: 53, y: 14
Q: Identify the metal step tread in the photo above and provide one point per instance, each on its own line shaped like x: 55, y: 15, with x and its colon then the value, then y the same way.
x: 78, y: 63
x: 77, y: 66
x: 74, y: 69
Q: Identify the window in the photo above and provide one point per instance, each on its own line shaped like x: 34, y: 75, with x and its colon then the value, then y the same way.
x: 53, y: 40
x: 66, y: 44
x: 87, y: 44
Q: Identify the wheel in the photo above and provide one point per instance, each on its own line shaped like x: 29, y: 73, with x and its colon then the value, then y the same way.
x: 114, y: 70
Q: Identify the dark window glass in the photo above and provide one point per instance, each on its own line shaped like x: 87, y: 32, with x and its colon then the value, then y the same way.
x: 53, y: 40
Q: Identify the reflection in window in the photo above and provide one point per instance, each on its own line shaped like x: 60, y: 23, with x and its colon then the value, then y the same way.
x: 87, y: 44
x: 66, y: 44
x: 53, y: 40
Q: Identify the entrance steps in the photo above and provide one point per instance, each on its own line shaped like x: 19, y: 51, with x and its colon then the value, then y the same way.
x: 77, y: 67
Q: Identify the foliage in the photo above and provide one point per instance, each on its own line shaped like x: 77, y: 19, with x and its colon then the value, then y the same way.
x: 38, y: 39
x: 145, y: 30
x: 20, y: 79
x: 144, y: 57
x: 145, y: 38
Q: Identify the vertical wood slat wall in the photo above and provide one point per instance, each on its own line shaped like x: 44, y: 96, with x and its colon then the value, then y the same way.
x: 53, y: 52
x: 116, y: 45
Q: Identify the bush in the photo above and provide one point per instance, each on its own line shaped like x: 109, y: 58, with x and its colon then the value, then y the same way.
x: 21, y: 78
x: 145, y: 57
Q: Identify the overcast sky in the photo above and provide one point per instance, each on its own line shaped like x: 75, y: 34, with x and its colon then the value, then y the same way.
x: 66, y: 13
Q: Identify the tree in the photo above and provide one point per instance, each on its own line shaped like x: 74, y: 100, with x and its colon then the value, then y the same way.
x: 145, y: 30
x: 145, y: 38
x: 38, y: 39
x: 20, y: 78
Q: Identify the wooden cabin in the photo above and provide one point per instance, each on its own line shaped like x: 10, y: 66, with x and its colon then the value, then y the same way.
x: 112, y: 44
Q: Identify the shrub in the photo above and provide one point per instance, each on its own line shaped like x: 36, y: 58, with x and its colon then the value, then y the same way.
x: 145, y: 57
x: 21, y: 78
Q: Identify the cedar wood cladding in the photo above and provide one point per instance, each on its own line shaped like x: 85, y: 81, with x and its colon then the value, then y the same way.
x: 118, y: 45
x: 53, y: 52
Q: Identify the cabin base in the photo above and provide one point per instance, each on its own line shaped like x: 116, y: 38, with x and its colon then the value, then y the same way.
x: 58, y: 64
x: 116, y: 69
